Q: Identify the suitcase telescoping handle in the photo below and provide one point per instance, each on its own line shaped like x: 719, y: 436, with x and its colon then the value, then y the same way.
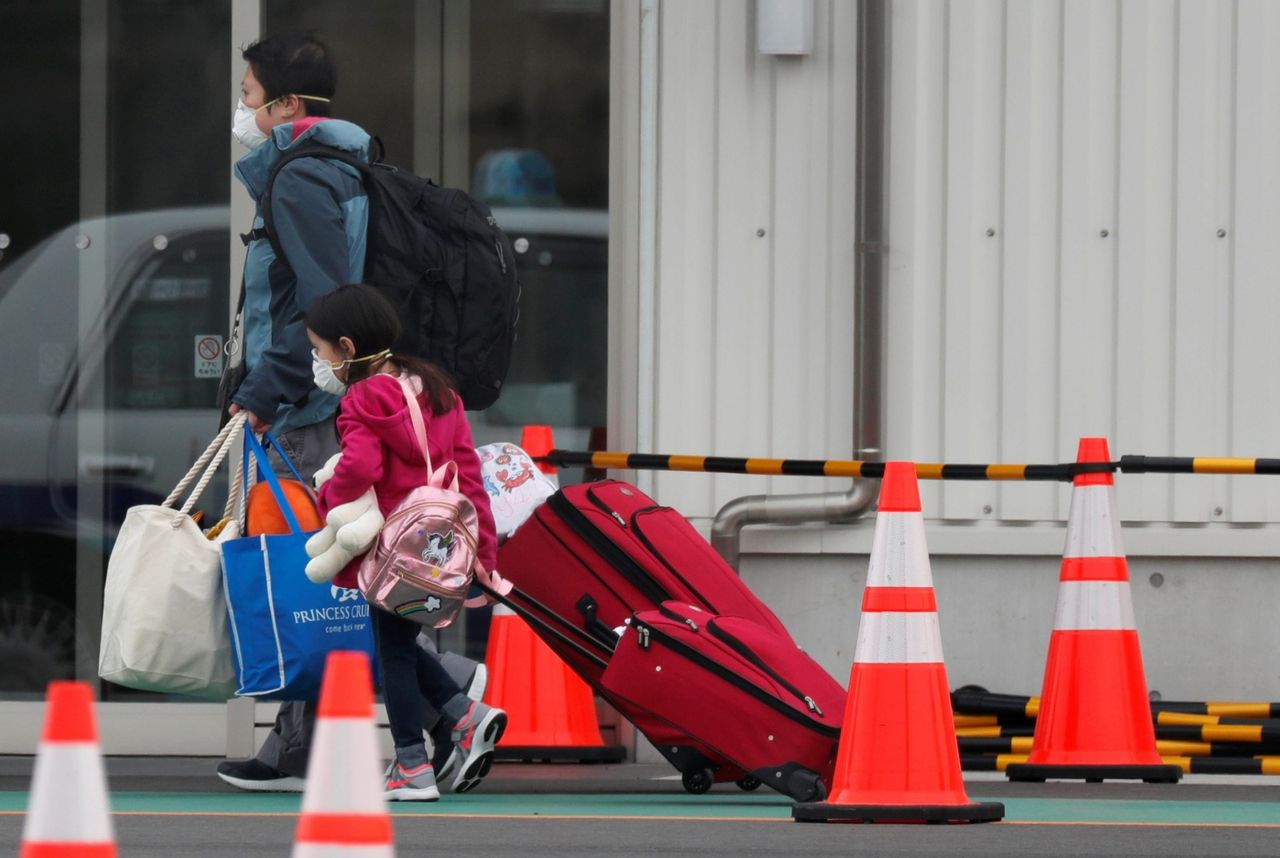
x: 534, y: 620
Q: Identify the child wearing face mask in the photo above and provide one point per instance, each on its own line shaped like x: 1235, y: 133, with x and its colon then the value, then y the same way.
x: 352, y: 330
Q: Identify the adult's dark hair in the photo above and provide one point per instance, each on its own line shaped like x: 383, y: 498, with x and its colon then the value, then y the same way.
x: 359, y: 312
x: 294, y: 63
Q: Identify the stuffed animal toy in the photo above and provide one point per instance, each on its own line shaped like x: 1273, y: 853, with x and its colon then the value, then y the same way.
x: 349, y: 531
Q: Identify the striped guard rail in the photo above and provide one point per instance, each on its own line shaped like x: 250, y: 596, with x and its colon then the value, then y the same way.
x: 1196, y: 465
x: 1063, y: 472
x: 1168, y: 748
x: 995, y: 732
x: 605, y: 460
x: 1252, y: 733
x: 964, y: 719
x: 1229, y: 709
x: 1191, y: 765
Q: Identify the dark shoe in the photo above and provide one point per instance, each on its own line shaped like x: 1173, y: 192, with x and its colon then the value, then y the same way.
x: 256, y: 776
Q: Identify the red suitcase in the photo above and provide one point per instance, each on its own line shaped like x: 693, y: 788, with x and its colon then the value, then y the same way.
x: 596, y: 553
x: 744, y: 697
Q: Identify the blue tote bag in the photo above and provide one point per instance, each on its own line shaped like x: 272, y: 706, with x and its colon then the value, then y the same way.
x: 283, y: 625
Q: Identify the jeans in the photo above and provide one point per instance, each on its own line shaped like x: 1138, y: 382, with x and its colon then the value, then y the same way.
x: 408, y: 675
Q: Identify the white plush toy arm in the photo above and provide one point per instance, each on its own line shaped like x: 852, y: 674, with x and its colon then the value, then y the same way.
x: 349, y: 531
x: 359, y: 523
x: 326, y: 471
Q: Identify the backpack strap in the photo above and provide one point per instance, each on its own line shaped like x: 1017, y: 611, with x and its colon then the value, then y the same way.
x: 447, y: 476
x: 267, y: 230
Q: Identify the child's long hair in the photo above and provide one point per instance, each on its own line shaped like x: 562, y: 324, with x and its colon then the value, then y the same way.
x: 359, y: 312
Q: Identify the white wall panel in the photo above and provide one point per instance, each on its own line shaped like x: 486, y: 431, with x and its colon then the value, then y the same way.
x: 1124, y: 155
x: 1255, y: 349
x: 755, y: 248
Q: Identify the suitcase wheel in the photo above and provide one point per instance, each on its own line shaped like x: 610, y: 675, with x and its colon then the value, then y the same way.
x: 748, y: 783
x: 698, y: 781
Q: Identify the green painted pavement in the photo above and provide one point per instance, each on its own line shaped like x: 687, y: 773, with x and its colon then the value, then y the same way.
x: 727, y: 806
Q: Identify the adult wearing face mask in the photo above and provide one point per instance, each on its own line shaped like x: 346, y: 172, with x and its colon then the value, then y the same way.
x: 320, y: 216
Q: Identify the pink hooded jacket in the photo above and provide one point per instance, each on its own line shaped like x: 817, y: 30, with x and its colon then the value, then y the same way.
x: 379, y: 451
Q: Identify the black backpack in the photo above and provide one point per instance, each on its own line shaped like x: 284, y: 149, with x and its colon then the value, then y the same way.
x: 440, y: 258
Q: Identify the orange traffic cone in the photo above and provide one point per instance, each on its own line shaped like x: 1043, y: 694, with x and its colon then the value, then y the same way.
x: 344, y: 812
x: 1094, y: 720
x: 898, y: 759
x: 539, y: 441
x: 551, y: 712
x: 67, y: 816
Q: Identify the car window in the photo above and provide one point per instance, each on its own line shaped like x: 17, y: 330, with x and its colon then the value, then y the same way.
x: 165, y: 346
x: 557, y: 374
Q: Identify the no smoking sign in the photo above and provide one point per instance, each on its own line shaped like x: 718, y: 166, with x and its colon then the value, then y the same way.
x: 208, y: 356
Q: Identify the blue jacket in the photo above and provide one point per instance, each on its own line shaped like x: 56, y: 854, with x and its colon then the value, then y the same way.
x: 321, y: 218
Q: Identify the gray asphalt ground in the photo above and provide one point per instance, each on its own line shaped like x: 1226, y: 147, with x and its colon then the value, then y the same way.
x: 242, y: 836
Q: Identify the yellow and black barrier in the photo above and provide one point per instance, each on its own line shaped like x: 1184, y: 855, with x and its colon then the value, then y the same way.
x: 1196, y: 465
x: 978, y: 702
x: 1061, y: 472
x: 1008, y: 745
x: 605, y: 460
x: 1263, y: 765
x: 1168, y: 748
x: 1175, y: 748
x: 973, y: 700
x: 1214, y: 737
x: 1171, y: 718
x: 995, y: 732
x: 1227, y: 709
x: 967, y: 720
x: 1255, y: 734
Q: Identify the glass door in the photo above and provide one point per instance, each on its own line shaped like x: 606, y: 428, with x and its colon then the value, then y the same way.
x: 114, y: 232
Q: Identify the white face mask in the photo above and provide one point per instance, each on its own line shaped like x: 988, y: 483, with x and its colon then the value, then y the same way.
x: 244, y: 127
x: 322, y: 372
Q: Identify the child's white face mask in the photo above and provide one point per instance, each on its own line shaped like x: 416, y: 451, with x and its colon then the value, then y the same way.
x: 322, y: 372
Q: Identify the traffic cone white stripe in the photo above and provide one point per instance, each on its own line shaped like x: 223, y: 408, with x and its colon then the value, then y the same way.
x: 1094, y: 606
x: 1093, y: 528
x: 899, y: 637
x: 501, y: 610
x: 68, y: 775
x: 899, y: 552
x: 335, y: 850
x: 351, y: 754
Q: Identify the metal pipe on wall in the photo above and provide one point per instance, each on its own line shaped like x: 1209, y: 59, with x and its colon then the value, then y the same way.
x: 870, y: 225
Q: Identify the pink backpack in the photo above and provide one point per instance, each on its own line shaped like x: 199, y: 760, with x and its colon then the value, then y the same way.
x: 424, y: 560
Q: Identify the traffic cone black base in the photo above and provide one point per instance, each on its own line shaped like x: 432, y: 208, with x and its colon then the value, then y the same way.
x: 1028, y: 772
x: 817, y: 811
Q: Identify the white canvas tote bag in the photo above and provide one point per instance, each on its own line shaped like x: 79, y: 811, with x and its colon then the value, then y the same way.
x: 164, y: 617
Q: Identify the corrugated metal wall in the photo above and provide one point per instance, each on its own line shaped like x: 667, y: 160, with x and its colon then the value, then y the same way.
x: 754, y: 261
x: 1085, y: 239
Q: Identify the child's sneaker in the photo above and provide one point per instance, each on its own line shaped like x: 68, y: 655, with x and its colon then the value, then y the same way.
x: 414, y: 784
x: 445, y: 755
x: 474, y: 737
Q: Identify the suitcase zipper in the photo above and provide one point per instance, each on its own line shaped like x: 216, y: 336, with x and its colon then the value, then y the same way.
x: 712, y: 667
x: 644, y: 540
x: 745, y: 651
x: 616, y: 557
x: 672, y: 615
